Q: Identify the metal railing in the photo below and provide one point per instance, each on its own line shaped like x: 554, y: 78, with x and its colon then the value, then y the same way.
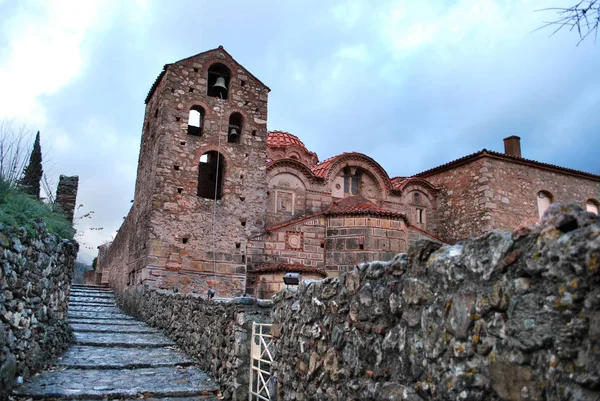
x: 262, y: 384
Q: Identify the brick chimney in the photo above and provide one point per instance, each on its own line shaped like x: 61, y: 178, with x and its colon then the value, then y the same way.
x: 512, y: 146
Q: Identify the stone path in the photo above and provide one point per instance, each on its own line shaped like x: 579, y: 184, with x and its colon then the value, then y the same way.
x: 117, y: 357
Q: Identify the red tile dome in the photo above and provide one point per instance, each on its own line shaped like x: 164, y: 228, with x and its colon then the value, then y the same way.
x: 278, y: 139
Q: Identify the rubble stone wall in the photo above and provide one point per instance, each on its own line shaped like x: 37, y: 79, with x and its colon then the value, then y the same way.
x: 499, y: 317
x: 35, y: 279
x: 217, y: 333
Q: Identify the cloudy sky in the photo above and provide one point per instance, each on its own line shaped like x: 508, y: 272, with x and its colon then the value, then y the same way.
x: 411, y: 83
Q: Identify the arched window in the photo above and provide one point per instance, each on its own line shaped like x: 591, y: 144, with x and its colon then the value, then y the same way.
x: 218, y: 81
x: 210, y: 175
x: 592, y: 206
x: 234, y: 133
x: 544, y: 199
x: 196, y: 121
x: 417, y: 198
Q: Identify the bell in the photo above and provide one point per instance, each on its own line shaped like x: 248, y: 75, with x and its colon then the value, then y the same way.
x: 233, y: 134
x: 220, y: 84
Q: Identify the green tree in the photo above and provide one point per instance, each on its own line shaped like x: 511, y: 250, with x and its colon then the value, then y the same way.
x: 32, y: 176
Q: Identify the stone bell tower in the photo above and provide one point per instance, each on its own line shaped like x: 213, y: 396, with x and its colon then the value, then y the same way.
x: 201, y: 184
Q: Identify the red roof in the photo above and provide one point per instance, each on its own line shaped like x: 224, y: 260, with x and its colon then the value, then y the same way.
x: 357, y: 204
x: 321, y: 169
x: 282, y: 267
x: 396, y: 181
x: 281, y: 139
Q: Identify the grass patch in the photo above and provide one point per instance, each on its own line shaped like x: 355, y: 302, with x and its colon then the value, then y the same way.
x: 20, y: 210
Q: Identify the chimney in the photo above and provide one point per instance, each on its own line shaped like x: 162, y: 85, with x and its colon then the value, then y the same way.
x: 512, y: 146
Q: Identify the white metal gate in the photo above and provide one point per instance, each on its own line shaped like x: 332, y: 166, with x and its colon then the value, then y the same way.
x: 261, y: 353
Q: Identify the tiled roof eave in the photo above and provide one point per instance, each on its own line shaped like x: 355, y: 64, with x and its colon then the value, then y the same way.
x: 502, y: 156
x: 366, y: 213
x: 291, y: 268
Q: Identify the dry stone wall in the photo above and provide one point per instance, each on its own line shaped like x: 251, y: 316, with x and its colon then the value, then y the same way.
x: 217, y: 333
x: 499, y: 317
x: 35, y: 277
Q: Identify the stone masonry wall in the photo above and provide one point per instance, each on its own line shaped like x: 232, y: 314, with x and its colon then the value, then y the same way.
x: 217, y: 333
x: 66, y: 195
x: 499, y: 317
x: 513, y: 192
x: 491, y: 193
x: 35, y: 279
x: 461, y: 209
x: 187, y: 248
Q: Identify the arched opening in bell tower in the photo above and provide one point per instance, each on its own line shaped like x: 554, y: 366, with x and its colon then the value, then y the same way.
x: 218, y: 81
x: 211, y: 170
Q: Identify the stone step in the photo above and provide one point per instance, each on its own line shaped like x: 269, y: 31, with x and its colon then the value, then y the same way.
x: 93, y: 293
x: 99, y: 296
x: 113, y: 328
x: 95, y: 289
x: 96, y: 309
x: 91, y: 302
x: 92, y: 286
x: 128, y: 340
x: 89, y: 357
x: 98, y: 316
x: 123, y: 383
x: 102, y: 322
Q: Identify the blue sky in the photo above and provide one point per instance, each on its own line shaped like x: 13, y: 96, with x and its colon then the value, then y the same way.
x: 411, y: 83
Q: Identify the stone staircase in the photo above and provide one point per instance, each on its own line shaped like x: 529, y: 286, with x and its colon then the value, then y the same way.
x: 117, y: 357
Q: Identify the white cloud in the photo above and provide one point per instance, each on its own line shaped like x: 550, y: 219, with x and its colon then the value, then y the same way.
x: 354, y: 53
x: 44, y: 41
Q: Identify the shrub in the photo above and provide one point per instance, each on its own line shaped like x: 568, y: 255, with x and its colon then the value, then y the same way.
x: 21, y: 210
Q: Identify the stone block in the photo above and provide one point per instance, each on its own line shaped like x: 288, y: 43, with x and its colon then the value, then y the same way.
x: 513, y: 382
x: 459, y: 319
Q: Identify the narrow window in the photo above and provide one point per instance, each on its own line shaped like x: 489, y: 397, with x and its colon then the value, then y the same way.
x: 351, y: 181
x: 211, y: 170
x: 420, y: 216
x: 544, y: 199
x: 234, y: 133
x: 196, y: 121
x: 218, y: 81
x: 592, y: 206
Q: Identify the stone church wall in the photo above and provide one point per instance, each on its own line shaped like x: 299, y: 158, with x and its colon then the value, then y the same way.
x: 217, y: 333
x: 490, y: 193
x: 35, y: 280
x: 513, y: 192
x: 511, y: 317
x: 355, y: 239
x: 461, y: 209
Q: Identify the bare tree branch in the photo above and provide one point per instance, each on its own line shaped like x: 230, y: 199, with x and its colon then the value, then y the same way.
x: 583, y: 17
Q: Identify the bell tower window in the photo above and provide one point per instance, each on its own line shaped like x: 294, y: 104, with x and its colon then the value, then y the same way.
x: 210, y: 175
x: 196, y: 121
x: 218, y: 81
x: 234, y: 133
